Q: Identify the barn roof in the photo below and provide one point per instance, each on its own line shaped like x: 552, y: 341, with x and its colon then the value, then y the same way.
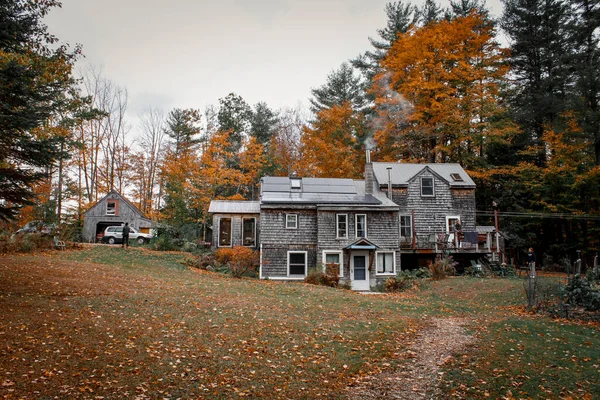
x: 403, y: 173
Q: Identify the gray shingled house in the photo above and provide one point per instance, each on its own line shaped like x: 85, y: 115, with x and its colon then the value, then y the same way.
x: 437, y: 211
x: 112, y: 210
x: 400, y: 215
x: 308, y: 222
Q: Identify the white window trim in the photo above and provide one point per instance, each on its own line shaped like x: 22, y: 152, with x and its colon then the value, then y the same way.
x: 393, y: 262
x: 288, y: 219
x: 337, y: 226
x: 448, y: 218
x: 356, y: 225
x: 219, y: 232
x: 242, y: 233
x: 432, y: 186
x: 341, y: 254
x: 400, y: 225
x: 305, y: 264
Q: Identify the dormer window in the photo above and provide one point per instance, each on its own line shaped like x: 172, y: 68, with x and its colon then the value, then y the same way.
x: 456, y: 177
x: 427, y: 189
x: 296, y: 183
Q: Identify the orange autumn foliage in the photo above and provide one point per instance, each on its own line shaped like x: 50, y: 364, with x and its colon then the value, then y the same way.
x: 332, y: 147
x: 438, y: 97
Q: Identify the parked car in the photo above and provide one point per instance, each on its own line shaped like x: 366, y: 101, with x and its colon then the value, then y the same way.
x: 114, y: 234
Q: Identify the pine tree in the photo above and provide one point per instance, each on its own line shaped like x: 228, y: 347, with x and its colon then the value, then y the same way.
x: 263, y: 123
x: 584, y: 25
x: 400, y: 17
x: 537, y: 30
x: 183, y: 126
x: 342, y: 86
x: 429, y: 12
x: 462, y: 8
x: 35, y: 73
x: 234, y: 117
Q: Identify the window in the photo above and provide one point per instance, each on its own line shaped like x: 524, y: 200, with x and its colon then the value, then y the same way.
x: 361, y: 225
x: 224, y: 232
x: 296, y: 183
x: 452, y: 224
x: 342, y: 226
x: 427, y: 186
x: 333, y: 258
x: 249, y: 232
x: 385, y: 262
x: 291, y: 221
x: 405, y: 226
x: 297, y: 263
x: 111, y: 207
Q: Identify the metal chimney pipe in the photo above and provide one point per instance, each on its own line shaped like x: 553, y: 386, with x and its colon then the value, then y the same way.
x: 368, y: 155
x: 389, y: 170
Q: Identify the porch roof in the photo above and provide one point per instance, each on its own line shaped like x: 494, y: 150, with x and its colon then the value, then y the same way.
x: 362, y: 244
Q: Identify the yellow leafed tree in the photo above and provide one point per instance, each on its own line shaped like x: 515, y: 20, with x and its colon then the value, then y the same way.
x: 448, y: 74
x: 332, y: 147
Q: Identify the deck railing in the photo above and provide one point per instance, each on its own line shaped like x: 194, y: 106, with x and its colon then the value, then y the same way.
x: 452, y: 242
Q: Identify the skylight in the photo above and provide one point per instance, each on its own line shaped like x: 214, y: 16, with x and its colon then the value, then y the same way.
x: 456, y: 177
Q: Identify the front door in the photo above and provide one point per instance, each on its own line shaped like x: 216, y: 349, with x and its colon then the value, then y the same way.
x: 359, y: 271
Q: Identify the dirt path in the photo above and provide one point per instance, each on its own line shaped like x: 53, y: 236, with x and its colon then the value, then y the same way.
x: 441, y: 339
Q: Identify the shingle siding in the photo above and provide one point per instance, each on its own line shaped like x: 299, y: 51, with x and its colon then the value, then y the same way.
x: 236, y: 228
x: 431, y: 212
x: 274, y: 258
x: 277, y: 240
x: 273, y: 230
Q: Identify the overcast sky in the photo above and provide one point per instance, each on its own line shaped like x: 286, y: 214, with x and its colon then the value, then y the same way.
x: 190, y: 53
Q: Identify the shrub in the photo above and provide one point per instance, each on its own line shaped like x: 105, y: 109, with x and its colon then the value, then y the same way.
x: 167, y: 238
x: 592, y: 275
x: 165, y: 243
x: 345, y: 285
x: 442, y: 267
x: 406, y: 279
x: 330, y: 277
x: 241, y: 260
x: 201, y: 262
x: 25, y: 243
x: 581, y: 293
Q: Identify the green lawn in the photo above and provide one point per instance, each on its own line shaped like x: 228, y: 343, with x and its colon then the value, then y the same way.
x: 110, y: 322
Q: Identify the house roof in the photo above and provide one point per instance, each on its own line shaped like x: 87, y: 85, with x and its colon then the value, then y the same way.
x: 326, y: 191
x: 234, y: 207
x: 137, y: 210
x: 403, y: 173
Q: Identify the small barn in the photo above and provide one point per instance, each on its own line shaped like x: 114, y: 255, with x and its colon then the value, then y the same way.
x: 112, y: 210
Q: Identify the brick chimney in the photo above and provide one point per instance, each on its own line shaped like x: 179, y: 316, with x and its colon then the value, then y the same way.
x: 369, y: 175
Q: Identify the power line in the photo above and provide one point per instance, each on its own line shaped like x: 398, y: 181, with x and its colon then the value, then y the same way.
x: 514, y: 214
